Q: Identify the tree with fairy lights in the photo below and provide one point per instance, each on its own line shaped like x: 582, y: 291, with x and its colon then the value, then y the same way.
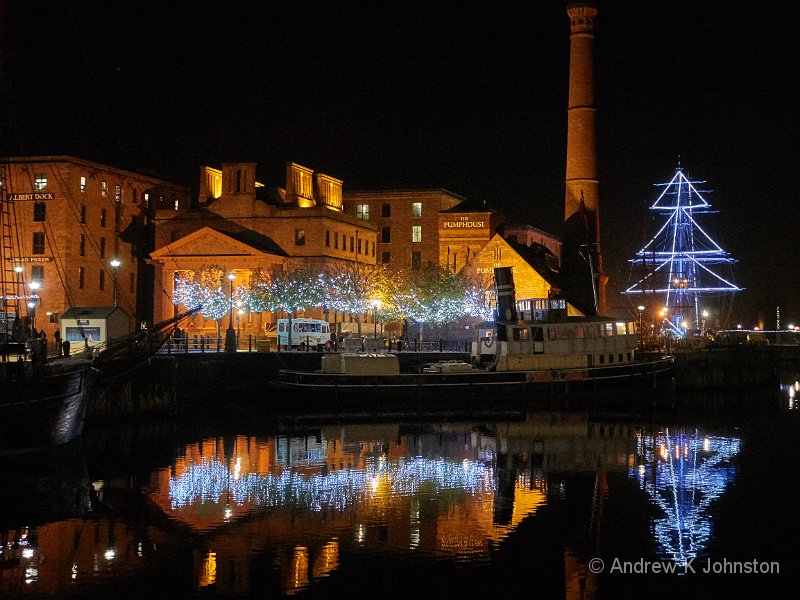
x: 431, y: 294
x: 681, y: 262
x: 351, y: 287
x: 289, y: 291
x: 479, y: 300
x: 203, y: 290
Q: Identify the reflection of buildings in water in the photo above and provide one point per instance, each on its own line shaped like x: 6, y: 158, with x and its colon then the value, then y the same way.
x: 450, y: 490
x: 288, y: 508
x: 683, y: 473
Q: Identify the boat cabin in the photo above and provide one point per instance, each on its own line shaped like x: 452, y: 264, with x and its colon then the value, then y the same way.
x: 544, y: 337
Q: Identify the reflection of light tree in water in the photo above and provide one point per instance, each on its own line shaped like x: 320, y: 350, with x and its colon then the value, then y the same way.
x: 683, y: 474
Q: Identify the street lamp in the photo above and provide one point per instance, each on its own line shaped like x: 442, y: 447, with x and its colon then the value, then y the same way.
x: 230, y: 333
x: 641, y: 330
x: 115, y: 265
x: 705, y: 316
x: 34, y: 285
x: 376, y: 304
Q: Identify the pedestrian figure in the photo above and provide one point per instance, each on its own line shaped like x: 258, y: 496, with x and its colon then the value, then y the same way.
x: 57, y: 336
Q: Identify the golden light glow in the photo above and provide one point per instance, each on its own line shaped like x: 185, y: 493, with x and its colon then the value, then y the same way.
x: 298, y: 571
x: 327, y: 560
x: 208, y: 572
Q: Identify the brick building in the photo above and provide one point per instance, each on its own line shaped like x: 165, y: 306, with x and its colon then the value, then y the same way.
x: 242, y: 225
x: 407, y: 223
x: 71, y: 218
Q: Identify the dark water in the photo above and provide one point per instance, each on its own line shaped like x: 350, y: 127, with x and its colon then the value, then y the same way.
x: 242, y: 504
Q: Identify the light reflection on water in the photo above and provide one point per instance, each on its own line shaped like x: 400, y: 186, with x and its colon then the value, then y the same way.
x: 287, y: 513
x: 683, y: 472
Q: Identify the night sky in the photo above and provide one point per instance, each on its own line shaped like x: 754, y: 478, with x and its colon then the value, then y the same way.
x: 439, y: 94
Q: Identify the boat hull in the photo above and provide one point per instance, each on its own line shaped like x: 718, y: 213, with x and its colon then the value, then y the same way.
x: 44, y: 412
x: 476, y: 384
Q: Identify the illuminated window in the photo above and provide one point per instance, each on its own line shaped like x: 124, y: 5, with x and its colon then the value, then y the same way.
x: 82, y: 245
x: 102, y: 280
x: 40, y: 181
x: 386, y: 235
x: 102, y: 247
x: 118, y: 193
x: 416, y: 233
x: 104, y: 188
x: 83, y: 184
x: 38, y: 242
x: 386, y: 210
x: 416, y: 209
x: 362, y: 211
x: 416, y: 260
x: 299, y: 237
x: 146, y: 196
x: 386, y: 257
x: 80, y: 277
x: 37, y: 273
x: 39, y: 211
x: 102, y: 217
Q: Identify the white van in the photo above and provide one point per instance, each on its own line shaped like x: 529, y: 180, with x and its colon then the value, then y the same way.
x: 305, y: 332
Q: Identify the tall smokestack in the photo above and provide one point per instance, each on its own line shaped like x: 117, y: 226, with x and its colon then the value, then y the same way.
x: 581, y: 262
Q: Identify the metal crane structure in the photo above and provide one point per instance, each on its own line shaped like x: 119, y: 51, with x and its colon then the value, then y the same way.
x: 681, y: 263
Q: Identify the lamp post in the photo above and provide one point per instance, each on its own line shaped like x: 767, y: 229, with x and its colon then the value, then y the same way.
x: 114, y: 266
x: 239, y: 312
x: 376, y: 304
x: 34, y: 285
x: 230, y: 333
x: 641, y: 330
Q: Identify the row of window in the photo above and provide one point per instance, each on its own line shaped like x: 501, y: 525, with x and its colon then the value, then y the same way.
x: 565, y: 332
x: 362, y: 210
x: 102, y: 280
x: 416, y: 234
x: 37, y: 274
x: 416, y: 259
x: 40, y: 183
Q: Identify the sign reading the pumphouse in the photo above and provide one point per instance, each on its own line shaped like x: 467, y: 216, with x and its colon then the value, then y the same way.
x: 464, y: 223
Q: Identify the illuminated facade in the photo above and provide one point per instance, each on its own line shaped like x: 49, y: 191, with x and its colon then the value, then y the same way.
x: 534, y: 266
x: 241, y: 225
x: 679, y: 263
x: 64, y: 220
x: 407, y: 223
